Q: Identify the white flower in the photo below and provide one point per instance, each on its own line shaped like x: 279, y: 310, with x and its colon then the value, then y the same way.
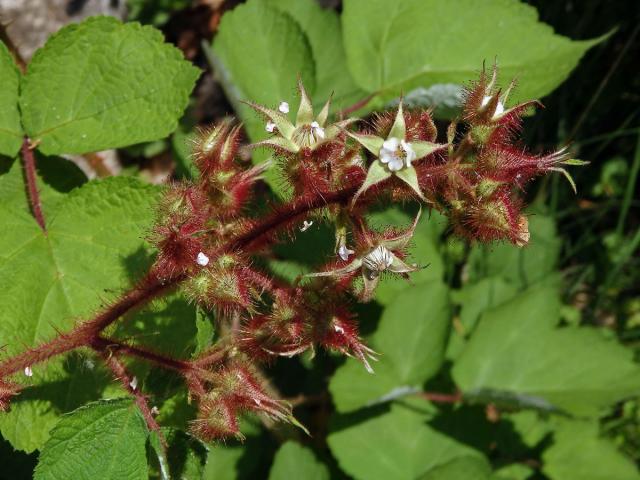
x: 378, y: 260
x: 318, y: 131
x: 155, y: 411
x: 306, y: 225
x: 28, y: 372
x: 202, y: 260
x: 344, y: 252
x: 499, y: 107
x: 397, y: 154
x: 283, y: 107
x: 270, y: 126
x: 134, y: 383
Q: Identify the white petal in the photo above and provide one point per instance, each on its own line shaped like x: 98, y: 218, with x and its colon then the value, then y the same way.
x: 202, y: 260
x: 134, y: 383
x: 306, y: 225
x: 410, y: 154
x: 396, y: 164
x: 283, y: 107
x: 338, y: 328
x: 270, y: 126
x: 344, y: 252
x: 499, y: 107
x: 28, y: 372
x: 391, y: 144
x: 319, y: 131
x: 315, y: 125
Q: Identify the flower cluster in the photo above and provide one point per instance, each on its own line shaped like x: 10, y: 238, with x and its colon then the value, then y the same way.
x: 474, y: 174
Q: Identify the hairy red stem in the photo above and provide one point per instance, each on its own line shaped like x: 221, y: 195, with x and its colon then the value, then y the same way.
x: 116, y: 346
x: 151, y: 287
x: 29, y: 165
x: 437, y: 397
x: 118, y: 370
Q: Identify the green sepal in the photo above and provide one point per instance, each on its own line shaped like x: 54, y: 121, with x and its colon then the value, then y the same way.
x: 423, y: 149
x: 278, y: 143
x: 284, y: 126
x: 376, y: 174
x: 372, y: 143
x: 324, y: 113
x: 575, y: 162
x: 305, y: 111
x: 410, y: 177
x: 398, y: 129
x: 401, y: 241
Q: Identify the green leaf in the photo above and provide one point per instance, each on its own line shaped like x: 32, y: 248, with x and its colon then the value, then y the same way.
x: 399, y: 46
x: 411, y: 338
x: 10, y: 128
x: 520, y: 267
x: 596, y: 458
x: 397, y: 444
x: 116, y: 84
x: 517, y: 355
x: 93, y: 250
x: 324, y: 33
x: 295, y: 461
x: 258, y: 53
x: 468, y: 468
x: 103, y: 440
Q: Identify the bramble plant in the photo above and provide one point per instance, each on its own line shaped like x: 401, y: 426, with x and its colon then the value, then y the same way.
x: 209, y: 273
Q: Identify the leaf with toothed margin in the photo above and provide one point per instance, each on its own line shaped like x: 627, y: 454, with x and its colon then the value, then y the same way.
x: 10, y: 127
x: 396, y: 46
x: 116, y: 84
x: 93, y: 249
x: 100, y: 441
x: 410, y: 338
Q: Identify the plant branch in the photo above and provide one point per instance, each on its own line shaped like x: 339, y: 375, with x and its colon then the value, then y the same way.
x: 437, y: 397
x: 118, y: 347
x: 85, y: 334
x: 29, y: 165
x: 119, y: 371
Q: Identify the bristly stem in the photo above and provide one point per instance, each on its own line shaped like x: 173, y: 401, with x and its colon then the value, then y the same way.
x: 151, y: 287
x: 29, y: 164
x: 118, y: 347
x: 120, y: 372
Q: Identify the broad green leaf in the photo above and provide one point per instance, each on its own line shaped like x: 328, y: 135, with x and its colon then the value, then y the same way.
x: 467, y: 468
x: 258, y: 52
x: 10, y: 128
x: 406, y: 44
x: 397, y: 444
x: 411, y: 339
x: 520, y: 267
x: 517, y: 355
x: 93, y: 250
x: 478, y: 297
x: 103, y: 440
x: 423, y: 250
x: 578, y: 451
x: 295, y: 461
x: 324, y: 33
x: 115, y: 85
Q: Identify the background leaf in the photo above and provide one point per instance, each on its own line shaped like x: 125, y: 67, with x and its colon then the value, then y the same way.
x: 517, y: 354
x: 10, y: 128
x: 292, y: 460
x: 103, y: 440
x: 596, y: 458
x: 411, y: 339
x: 399, y: 46
x: 116, y: 84
x: 93, y: 249
x: 397, y: 444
